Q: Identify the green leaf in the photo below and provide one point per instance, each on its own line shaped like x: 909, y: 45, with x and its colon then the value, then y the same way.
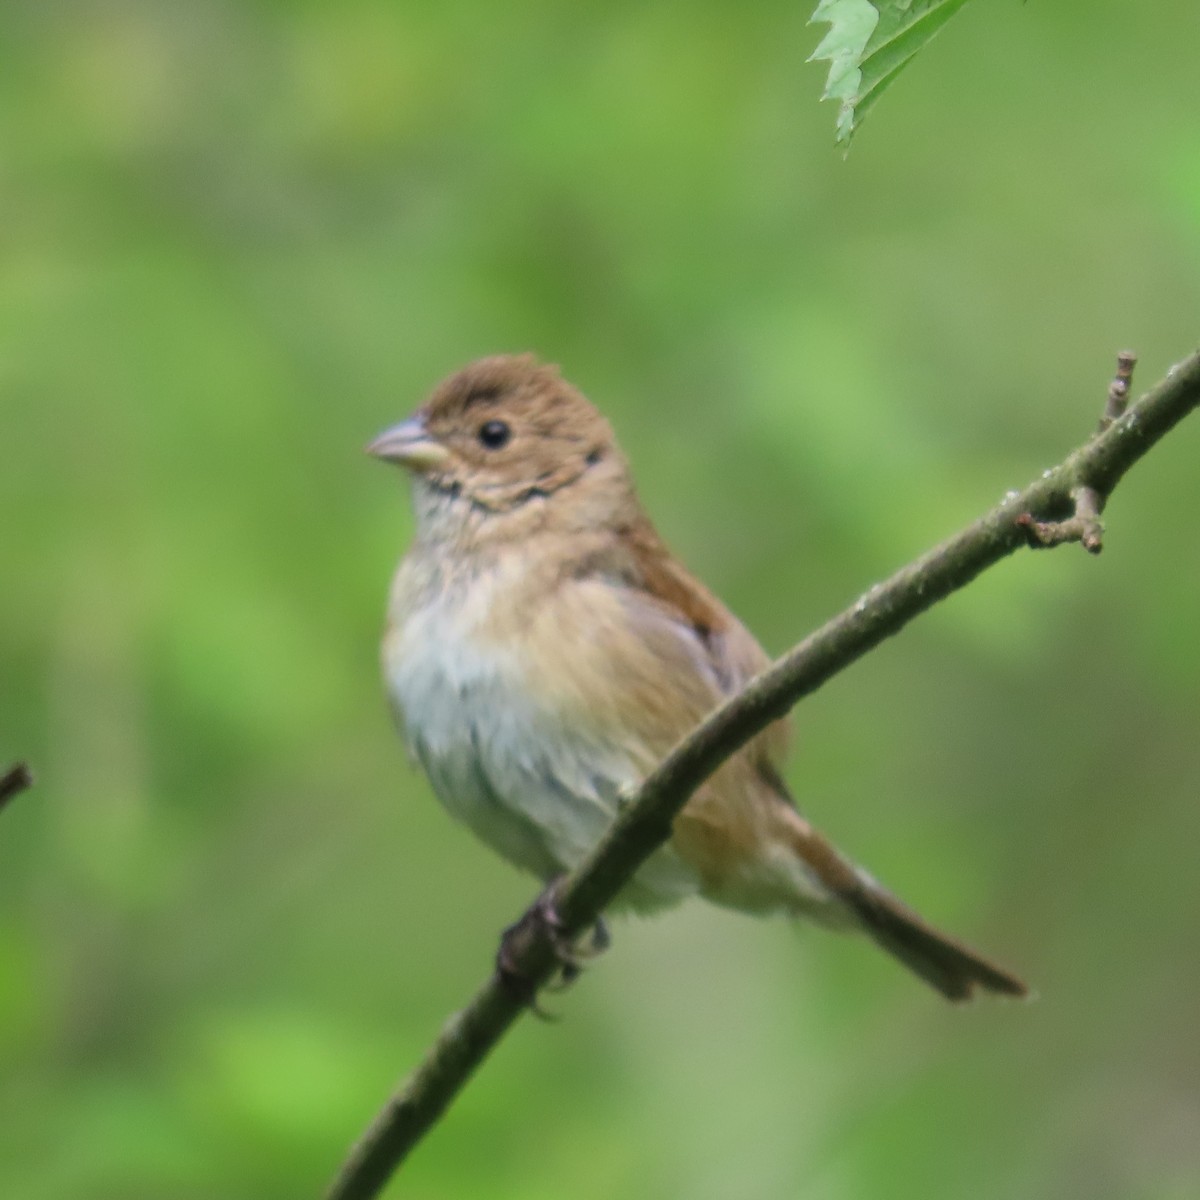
x: 868, y: 45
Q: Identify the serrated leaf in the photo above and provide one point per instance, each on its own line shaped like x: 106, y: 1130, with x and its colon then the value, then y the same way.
x: 868, y: 45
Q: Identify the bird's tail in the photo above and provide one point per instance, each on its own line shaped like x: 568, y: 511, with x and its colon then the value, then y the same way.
x: 943, y: 962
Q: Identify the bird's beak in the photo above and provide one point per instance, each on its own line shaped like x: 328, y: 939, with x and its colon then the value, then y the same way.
x: 409, y: 445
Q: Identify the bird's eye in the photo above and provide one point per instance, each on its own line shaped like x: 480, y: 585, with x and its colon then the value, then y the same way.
x: 494, y: 434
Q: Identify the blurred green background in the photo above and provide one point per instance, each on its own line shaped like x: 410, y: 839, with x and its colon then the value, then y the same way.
x: 239, y: 239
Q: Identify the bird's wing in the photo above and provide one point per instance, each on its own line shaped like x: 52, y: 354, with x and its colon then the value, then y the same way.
x: 661, y: 596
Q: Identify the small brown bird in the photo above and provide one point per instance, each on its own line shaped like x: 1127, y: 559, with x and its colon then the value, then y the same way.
x: 545, y: 650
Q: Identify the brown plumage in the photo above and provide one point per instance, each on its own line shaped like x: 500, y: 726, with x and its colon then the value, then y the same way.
x: 545, y: 650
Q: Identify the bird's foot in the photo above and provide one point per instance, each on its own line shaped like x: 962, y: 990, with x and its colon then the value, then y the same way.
x: 543, y: 922
x: 578, y: 954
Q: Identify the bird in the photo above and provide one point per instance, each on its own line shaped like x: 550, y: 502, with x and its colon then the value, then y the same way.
x: 544, y: 650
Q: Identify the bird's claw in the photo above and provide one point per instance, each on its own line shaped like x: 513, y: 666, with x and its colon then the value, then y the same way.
x: 542, y: 920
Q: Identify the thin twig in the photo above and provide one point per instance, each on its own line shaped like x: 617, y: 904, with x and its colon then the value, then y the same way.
x: 1085, y: 525
x: 16, y: 779
x: 644, y: 823
x: 1118, y: 390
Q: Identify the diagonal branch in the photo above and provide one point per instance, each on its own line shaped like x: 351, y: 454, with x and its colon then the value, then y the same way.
x: 1063, y: 504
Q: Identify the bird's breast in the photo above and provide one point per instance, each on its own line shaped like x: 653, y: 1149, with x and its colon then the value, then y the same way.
x: 532, y: 777
x: 444, y: 677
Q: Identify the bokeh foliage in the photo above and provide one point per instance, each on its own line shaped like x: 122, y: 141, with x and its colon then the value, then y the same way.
x: 238, y: 239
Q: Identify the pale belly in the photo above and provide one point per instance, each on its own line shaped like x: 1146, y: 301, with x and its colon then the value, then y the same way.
x: 536, y: 788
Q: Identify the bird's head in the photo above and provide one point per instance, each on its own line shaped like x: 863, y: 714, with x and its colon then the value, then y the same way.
x: 508, y: 433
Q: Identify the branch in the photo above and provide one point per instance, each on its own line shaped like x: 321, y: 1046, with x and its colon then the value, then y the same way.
x: 16, y: 779
x: 1064, y: 504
